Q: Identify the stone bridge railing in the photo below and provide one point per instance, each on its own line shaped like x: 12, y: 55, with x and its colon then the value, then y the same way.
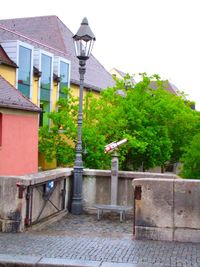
x: 167, y: 209
x: 29, y: 199
x: 97, y: 186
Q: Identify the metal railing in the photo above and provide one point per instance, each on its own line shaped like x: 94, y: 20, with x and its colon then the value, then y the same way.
x: 45, y: 192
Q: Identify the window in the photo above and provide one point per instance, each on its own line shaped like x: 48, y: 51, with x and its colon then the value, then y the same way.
x: 24, y: 71
x: 45, y: 88
x: 64, y: 78
x: 1, y: 130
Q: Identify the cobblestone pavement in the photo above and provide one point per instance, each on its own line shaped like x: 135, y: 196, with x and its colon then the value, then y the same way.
x: 82, y: 237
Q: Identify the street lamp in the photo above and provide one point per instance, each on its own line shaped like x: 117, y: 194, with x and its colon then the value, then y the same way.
x: 83, y: 40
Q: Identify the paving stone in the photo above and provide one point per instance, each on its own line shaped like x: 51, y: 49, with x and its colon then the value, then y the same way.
x: 108, y: 241
x: 115, y: 264
x: 48, y: 262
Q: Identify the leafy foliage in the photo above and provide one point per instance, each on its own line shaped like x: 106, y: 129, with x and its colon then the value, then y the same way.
x: 191, y: 159
x: 158, y: 125
x: 59, y: 139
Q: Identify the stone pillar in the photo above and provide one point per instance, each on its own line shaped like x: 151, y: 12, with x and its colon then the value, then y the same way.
x: 13, y: 205
x: 114, y: 177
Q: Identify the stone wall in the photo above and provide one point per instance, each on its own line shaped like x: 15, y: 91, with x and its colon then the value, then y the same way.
x: 22, y: 197
x: 97, y: 190
x: 97, y: 186
x: 167, y: 209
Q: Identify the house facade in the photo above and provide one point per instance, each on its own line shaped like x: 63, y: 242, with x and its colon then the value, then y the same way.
x: 42, y: 49
x: 37, y: 57
x: 18, y: 132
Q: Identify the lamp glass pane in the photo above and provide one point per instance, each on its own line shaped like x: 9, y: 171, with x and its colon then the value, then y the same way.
x: 83, y: 48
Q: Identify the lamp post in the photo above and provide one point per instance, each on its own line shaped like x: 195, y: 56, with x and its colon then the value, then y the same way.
x: 83, y: 40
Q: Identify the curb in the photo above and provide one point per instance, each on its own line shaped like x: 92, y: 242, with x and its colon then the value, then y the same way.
x: 37, y: 261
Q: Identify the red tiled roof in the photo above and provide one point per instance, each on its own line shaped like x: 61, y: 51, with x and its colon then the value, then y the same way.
x: 12, y: 98
x: 4, y: 59
x: 59, y: 37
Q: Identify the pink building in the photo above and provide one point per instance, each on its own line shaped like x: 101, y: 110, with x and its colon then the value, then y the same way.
x: 18, y: 132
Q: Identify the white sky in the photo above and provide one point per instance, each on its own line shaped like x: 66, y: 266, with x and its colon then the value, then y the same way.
x: 153, y: 36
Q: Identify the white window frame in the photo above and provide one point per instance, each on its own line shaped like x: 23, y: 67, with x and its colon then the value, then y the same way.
x: 28, y: 46
x: 69, y: 72
x: 43, y: 52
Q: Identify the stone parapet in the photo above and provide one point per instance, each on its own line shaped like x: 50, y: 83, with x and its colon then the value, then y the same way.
x: 44, y: 176
x: 22, y: 198
x: 129, y: 174
x: 167, y: 209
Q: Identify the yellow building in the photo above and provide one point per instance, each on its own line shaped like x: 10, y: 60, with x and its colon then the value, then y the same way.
x: 42, y: 50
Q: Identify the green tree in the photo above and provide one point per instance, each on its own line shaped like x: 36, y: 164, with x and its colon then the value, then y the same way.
x: 58, y: 140
x: 191, y: 159
x: 158, y: 125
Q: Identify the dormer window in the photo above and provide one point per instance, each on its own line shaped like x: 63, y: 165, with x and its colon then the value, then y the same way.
x: 24, y: 71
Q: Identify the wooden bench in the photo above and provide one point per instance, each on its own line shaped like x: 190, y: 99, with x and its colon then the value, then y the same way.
x: 116, y: 208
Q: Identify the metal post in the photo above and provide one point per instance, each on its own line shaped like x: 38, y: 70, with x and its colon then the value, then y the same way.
x: 77, y: 204
x: 114, y: 177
